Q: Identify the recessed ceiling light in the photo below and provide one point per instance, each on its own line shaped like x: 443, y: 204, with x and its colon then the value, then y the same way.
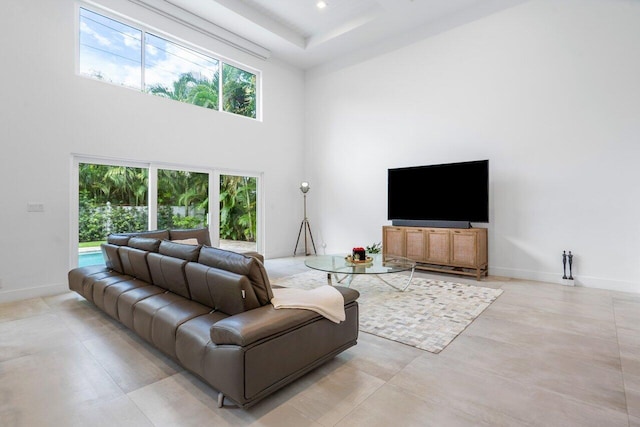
x: 321, y: 4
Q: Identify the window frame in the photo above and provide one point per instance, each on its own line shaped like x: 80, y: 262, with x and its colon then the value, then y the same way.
x: 144, y: 28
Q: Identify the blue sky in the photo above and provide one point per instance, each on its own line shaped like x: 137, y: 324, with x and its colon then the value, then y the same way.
x: 113, y: 50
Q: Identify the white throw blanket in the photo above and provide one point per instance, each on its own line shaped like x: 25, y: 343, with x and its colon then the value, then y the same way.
x: 325, y: 300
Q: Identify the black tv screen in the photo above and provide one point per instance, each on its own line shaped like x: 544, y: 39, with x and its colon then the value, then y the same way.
x: 444, y: 192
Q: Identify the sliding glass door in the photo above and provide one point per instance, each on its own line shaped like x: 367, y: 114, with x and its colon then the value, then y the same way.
x: 111, y: 199
x: 238, y: 212
x: 116, y: 197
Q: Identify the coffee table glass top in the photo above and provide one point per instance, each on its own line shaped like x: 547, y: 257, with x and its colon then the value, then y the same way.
x: 379, y: 264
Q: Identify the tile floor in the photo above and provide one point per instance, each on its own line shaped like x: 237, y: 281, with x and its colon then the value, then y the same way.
x: 542, y: 354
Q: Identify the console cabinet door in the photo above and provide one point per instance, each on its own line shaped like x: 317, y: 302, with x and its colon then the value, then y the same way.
x: 438, y: 246
x: 393, y: 241
x: 464, y: 248
x: 415, y: 245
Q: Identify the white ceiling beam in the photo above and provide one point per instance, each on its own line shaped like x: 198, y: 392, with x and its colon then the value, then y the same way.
x: 263, y: 21
x: 203, y: 26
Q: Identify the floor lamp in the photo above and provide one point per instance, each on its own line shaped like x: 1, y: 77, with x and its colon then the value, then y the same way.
x: 304, y: 225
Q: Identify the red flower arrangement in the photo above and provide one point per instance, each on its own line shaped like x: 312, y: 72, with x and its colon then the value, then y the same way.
x: 359, y: 254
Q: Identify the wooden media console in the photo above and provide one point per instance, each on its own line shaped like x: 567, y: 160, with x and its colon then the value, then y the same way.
x: 447, y: 250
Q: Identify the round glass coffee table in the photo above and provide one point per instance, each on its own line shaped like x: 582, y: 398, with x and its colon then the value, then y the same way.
x: 376, y: 264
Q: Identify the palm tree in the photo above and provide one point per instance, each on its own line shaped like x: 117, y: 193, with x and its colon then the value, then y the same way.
x: 180, y: 90
x: 239, y: 91
x: 191, y: 89
x: 127, y: 185
x: 237, y: 207
x: 238, y: 88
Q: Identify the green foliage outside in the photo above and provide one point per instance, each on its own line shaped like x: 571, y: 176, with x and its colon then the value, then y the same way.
x: 186, y: 189
x: 238, y: 208
x: 238, y: 89
x: 113, y: 199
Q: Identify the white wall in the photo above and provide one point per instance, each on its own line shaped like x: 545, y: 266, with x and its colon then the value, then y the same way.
x: 47, y: 113
x: 548, y: 91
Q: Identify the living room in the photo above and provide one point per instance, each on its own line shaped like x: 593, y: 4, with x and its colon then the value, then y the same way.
x: 547, y: 90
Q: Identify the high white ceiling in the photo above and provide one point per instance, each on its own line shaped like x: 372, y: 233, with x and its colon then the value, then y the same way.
x: 297, y: 32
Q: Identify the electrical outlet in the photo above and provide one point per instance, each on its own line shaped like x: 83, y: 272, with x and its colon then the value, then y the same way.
x: 35, y: 207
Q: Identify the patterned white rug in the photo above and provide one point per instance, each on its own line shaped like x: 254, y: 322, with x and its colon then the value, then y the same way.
x: 428, y: 315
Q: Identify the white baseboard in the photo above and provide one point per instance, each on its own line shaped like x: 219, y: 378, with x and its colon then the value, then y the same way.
x: 35, y: 292
x: 584, y: 281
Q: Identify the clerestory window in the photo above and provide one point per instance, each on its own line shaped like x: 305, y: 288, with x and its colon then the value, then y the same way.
x: 118, y: 53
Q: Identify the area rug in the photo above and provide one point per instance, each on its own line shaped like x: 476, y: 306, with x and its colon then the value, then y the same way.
x: 428, y: 315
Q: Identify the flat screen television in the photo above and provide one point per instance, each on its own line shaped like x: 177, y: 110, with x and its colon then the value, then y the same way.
x: 451, y: 192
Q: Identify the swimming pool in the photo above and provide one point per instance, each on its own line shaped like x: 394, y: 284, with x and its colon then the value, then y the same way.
x: 90, y: 258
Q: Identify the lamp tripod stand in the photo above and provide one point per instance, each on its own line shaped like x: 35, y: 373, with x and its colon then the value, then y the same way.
x: 304, y: 225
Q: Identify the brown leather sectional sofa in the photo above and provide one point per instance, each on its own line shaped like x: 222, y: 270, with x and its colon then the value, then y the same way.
x: 209, y: 309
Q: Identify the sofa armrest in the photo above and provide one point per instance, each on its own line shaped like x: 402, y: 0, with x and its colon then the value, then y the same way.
x: 256, y: 255
x: 263, y: 322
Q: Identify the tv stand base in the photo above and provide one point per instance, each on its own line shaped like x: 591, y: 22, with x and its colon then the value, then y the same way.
x: 478, y: 273
x: 445, y: 250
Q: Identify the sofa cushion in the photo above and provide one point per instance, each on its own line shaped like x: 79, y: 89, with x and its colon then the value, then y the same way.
x: 202, y: 234
x: 168, y: 319
x: 145, y: 310
x: 82, y: 279
x: 168, y: 273
x: 134, y: 263
x: 121, y: 239
x: 192, y: 339
x: 179, y: 250
x: 111, y: 257
x: 222, y: 290
x: 152, y: 234
x: 240, y: 264
x: 144, y: 243
x: 118, y: 239
x: 127, y: 301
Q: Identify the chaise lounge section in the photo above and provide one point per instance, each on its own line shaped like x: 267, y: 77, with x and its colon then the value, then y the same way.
x: 209, y: 309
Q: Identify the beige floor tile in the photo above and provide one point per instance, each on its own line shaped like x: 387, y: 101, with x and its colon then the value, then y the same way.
x: 532, y: 315
x: 21, y: 309
x: 628, y: 338
x: 379, y: 357
x: 66, y: 300
x: 588, y: 381
x: 327, y: 394
x: 634, y: 421
x: 32, y: 335
x: 627, y: 314
x: 569, y: 307
x: 54, y: 384
x: 530, y: 289
x: 632, y: 389
x: 130, y: 361
x: 496, y: 400
x: 629, y: 360
x: 168, y: 402
x: 183, y: 400
x: 119, y: 411
x: 540, y: 339
x: 391, y: 405
x: 87, y: 322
